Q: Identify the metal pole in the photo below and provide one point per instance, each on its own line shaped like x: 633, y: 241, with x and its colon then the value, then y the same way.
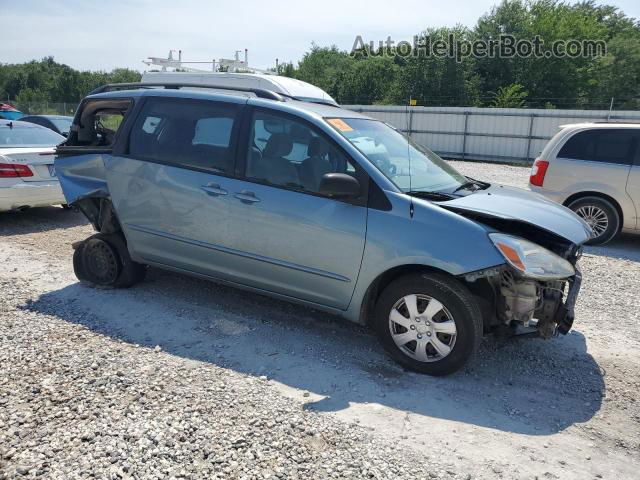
x: 464, y: 135
x: 610, y: 108
x: 528, y: 152
x: 410, y: 121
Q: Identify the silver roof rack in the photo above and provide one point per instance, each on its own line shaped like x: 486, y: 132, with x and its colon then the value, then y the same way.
x: 258, y: 92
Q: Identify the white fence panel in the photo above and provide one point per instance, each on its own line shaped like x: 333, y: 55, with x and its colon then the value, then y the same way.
x: 497, y: 134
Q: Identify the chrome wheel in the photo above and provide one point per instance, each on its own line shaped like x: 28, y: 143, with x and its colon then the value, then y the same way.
x: 422, y: 328
x: 596, y: 217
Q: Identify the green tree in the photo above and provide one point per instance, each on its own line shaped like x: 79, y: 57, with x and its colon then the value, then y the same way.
x: 324, y: 67
x: 437, y: 80
x: 49, y: 81
x: 368, y: 81
x: 511, y: 96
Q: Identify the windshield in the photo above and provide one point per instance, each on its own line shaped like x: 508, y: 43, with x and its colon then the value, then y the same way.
x: 390, y: 151
x: 14, y: 135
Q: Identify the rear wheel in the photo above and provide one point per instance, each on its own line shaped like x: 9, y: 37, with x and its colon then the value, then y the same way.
x: 104, y: 260
x: 428, y: 323
x: 601, y: 215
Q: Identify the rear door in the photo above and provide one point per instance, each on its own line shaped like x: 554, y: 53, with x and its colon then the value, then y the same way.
x: 171, y: 187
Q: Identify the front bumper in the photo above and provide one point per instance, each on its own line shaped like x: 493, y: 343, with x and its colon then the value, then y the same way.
x: 31, y: 194
x: 566, y: 311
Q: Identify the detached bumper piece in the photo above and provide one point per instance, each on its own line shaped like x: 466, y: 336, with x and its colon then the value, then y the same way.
x: 565, y: 313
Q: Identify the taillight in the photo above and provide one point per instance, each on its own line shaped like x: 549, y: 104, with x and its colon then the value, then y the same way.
x: 12, y: 170
x: 538, y: 171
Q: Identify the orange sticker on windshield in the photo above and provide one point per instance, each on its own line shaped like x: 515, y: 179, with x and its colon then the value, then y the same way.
x: 340, y: 124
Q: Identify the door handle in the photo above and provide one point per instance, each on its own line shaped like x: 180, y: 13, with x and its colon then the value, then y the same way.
x: 246, y: 196
x: 213, y: 189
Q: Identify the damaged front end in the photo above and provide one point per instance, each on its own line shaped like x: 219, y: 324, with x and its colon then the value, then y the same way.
x: 535, y: 292
x: 527, y: 305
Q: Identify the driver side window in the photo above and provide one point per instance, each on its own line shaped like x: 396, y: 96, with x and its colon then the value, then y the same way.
x: 289, y: 153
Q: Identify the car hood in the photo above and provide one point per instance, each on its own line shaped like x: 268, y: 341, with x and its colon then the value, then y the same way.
x: 510, y: 203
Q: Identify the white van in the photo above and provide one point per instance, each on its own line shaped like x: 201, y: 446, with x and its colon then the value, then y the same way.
x: 594, y: 169
x: 286, y: 86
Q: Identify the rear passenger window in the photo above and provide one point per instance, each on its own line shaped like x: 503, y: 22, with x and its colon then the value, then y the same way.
x: 187, y: 133
x: 213, y: 131
x: 603, y: 145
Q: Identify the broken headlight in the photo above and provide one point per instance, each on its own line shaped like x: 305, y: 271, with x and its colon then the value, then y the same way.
x: 530, y: 259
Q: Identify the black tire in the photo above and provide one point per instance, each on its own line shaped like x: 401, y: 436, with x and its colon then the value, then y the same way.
x: 103, y: 260
x: 78, y: 266
x: 458, y: 303
x: 599, y: 204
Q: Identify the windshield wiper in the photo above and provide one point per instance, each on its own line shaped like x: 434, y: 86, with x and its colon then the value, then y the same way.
x: 432, y: 195
x: 471, y: 183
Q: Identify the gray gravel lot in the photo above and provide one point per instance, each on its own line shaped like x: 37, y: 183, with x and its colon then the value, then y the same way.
x: 183, y: 378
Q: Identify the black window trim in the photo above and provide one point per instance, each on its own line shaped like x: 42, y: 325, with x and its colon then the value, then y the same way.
x: 120, y: 135
x: 123, y: 148
x: 241, y: 166
x: 634, y: 153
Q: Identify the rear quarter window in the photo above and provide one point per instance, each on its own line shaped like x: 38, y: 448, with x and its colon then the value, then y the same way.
x: 97, y: 124
x: 617, y: 146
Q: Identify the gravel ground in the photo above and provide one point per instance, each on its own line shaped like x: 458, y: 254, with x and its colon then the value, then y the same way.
x: 183, y: 378
x: 76, y: 404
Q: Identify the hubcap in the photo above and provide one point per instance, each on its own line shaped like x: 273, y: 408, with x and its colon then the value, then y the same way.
x: 422, y: 328
x: 595, y: 217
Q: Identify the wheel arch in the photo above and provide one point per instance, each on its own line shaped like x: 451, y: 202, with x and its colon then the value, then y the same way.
x: 100, y: 212
x: 384, y: 279
x: 604, y: 196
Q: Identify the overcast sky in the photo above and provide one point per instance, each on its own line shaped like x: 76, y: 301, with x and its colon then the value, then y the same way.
x: 104, y: 34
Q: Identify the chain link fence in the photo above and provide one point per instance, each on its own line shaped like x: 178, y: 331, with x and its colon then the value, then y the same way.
x: 44, y: 108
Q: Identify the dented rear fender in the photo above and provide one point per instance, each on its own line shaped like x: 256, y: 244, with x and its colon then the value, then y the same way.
x: 82, y: 176
x: 84, y: 184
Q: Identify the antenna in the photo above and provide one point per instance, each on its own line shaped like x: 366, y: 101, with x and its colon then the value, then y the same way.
x: 411, y: 102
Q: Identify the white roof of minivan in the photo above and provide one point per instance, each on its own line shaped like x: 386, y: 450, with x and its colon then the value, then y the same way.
x: 285, y: 85
x: 574, y: 126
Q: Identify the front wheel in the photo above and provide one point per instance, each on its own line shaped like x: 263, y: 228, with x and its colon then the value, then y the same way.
x: 428, y: 323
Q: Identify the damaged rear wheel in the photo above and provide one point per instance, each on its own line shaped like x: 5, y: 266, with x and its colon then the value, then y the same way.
x: 105, y: 261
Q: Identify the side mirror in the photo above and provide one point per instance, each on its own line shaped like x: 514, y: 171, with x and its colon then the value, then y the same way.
x: 339, y: 185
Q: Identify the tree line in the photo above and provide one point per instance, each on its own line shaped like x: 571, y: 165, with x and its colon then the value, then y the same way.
x: 387, y: 77
x: 582, y: 82
x: 48, y: 81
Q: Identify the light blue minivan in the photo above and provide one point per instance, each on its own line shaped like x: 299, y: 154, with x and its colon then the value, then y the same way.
x: 318, y: 205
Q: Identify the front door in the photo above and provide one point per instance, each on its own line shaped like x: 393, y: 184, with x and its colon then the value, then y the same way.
x: 289, y: 238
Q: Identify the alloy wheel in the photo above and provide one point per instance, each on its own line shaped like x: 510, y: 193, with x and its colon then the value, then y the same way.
x: 595, y: 217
